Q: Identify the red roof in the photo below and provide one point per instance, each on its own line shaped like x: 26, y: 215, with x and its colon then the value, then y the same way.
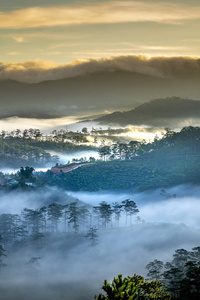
x: 68, y: 168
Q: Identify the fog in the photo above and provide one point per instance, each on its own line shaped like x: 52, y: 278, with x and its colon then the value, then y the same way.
x: 179, y: 205
x: 64, y: 158
x: 15, y: 201
x: 69, y: 268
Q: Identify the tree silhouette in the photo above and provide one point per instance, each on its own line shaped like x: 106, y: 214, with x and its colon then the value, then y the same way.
x: 104, y: 151
x: 26, y: 173
x: 154, y: 269
x: 105, y: 212
x: 117, y: 209
x: 54, y: 212
x: 92, y: 236
x: 2, y: 253
x: 74, y: 216
x: 130, y: 208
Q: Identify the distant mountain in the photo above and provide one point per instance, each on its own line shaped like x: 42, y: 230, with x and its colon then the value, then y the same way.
x: 159, y: 112
x: 90, y: 94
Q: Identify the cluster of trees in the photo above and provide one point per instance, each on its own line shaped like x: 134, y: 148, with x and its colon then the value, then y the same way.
x: 33, y: 224
x: 120, y: 150
x: 181, y: 276
x: 15, y: 151
x: 62, y: 135
x: 59, y: 136
x: 31, y: 146
x: 33, y: 227
x: 183, y: 143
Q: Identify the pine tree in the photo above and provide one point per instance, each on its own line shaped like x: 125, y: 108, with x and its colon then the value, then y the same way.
x: 130, y: 208
x: 92, y: 236
x: 74, y: 216
x: 2, y: 253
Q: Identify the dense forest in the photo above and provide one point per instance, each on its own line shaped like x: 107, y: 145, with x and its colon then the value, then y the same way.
x: 31, y: 147
x: 171, y: 160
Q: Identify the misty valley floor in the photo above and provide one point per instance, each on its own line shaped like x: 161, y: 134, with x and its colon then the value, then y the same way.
x: 67, y: 272
x: 71, y: 269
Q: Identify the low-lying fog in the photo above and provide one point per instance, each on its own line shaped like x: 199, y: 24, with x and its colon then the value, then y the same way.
x: 63, y: 159
x: 70, y: 269
x: 177, y: 205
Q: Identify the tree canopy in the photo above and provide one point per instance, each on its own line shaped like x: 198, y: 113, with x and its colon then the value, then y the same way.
x: 130, y: 288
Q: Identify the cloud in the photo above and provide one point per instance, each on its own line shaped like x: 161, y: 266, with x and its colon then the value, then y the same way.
x: 36, y: 71
x: 13, y: 53
x: 106, y: 12
x: 18, y: 39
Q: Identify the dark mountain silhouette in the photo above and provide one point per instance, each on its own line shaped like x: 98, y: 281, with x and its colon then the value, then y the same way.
x: 89, y: 94
x: 158, y: 112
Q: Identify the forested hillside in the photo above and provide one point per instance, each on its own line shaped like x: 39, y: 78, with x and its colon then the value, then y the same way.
x: 172, y: 160
x: 32, y: 147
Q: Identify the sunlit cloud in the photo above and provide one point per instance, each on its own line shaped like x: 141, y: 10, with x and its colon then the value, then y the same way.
x: 18, y: 39
x: 13, y: 53
x: 170, y: 48
x: 37, y: 34
x: 159, y: 66
x: 107, y: 12
x: 9, y: 124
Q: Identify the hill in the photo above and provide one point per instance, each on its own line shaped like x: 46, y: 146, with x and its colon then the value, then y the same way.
x: 172, y: 160
x: 159, y: 112
x: 89, y: 94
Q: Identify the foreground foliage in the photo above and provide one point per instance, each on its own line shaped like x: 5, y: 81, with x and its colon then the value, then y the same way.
x: 129, y: 288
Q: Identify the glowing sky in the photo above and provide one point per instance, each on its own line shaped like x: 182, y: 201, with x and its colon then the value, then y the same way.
x: 63, y: 31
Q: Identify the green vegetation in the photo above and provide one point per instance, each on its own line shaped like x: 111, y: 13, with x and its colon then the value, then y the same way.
x: 31, y: 146
x: 172, y: 160
x: 177, y: 279
x: 130, y: 288
x: 181, y: 276
x: 125, y: 175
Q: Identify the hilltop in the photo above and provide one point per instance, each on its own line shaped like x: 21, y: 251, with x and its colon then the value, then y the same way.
x: 158, y: 112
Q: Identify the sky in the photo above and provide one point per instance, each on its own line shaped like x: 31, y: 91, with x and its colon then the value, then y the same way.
x: 63, y: 31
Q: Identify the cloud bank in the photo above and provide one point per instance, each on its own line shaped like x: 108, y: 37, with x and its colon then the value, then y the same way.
x: 160, y: 66
x: 106, y: 12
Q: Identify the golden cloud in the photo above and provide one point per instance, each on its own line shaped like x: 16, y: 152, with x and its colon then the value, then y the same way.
x: 109, y: 12
x: 159, y: 66
x: 18, y: 39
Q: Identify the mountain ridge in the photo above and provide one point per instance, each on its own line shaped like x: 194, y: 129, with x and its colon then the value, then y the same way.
x: 89, y: 94
x: 155, y: 112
